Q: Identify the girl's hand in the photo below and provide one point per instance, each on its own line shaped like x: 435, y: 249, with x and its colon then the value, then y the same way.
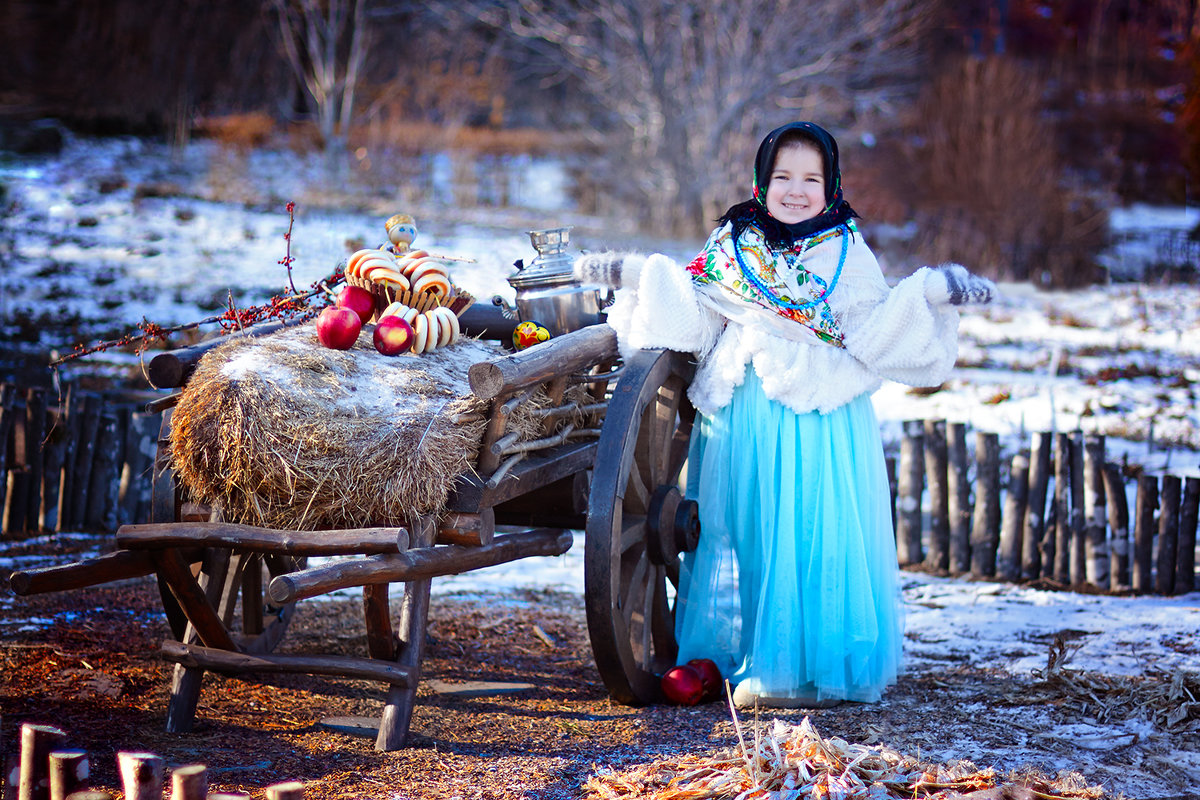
x: 952, y: 284
x: 610, y: 269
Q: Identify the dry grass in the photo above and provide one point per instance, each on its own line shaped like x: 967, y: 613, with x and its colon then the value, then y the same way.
x: 284, y: 433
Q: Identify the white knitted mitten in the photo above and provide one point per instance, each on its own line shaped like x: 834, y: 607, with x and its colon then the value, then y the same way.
x: 952, y: 284
x: 614, y: 270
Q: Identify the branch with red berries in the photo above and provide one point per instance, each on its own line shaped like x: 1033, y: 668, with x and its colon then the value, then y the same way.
x: 296, y: 305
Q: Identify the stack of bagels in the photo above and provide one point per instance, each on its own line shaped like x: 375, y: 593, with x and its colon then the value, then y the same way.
x: 414, y: 285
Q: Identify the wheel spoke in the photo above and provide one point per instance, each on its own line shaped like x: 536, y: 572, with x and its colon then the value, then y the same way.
x: 672, y: 572
x: 633, y: 586
x: 633, y: 532
x: 648, y: 608
x: 637, y: 491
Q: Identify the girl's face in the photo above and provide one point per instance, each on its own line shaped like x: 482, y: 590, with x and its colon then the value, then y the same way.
x: 796, y: 191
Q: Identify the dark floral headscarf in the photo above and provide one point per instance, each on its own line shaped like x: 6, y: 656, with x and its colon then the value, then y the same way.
x: 782, y: 235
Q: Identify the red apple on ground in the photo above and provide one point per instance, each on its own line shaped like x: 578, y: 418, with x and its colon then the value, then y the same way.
x: 338, y: 328
x: 393, y: 336
x: 358, y: 300
x: 710, y: 675
x: 682, y: 685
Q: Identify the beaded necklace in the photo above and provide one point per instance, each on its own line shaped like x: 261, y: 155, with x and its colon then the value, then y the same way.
x: 779, y: 301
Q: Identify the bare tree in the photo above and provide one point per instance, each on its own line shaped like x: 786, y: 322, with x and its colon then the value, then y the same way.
x: 689, y: 87
x: 325, y: 42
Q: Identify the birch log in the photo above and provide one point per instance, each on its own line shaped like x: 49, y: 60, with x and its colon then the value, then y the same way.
x: 1035, y: 509
x: 1118, y: 526
x: 1168, y: 534
x: 985, y: 525
x: 912, y: 472
x: 1143, y: 533
x: 960, y: 498
x: 1185, y: 561
x: 1012, y: 520
x: 1095, y: 503
x: 938, y: 557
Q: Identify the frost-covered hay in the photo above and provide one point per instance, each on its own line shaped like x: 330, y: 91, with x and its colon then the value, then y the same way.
x: 281, y: 432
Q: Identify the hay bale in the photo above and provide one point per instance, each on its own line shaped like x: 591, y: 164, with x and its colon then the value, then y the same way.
x: 281, y: 432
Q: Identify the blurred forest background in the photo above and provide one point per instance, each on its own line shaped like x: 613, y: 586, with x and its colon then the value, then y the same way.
x: 998, y: 132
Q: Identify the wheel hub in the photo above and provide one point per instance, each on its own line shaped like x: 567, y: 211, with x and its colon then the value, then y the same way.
x: 673, y: 525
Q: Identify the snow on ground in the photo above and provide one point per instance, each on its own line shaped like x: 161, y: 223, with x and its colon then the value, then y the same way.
x: 94, y: 238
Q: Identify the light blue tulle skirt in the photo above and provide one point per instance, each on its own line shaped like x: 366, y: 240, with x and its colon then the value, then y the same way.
x: 794, y: 586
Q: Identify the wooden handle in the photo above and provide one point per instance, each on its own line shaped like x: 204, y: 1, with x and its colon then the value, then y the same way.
x: 559, y: 356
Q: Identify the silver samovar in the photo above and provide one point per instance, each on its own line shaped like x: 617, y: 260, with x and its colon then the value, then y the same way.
x: 547, y: 292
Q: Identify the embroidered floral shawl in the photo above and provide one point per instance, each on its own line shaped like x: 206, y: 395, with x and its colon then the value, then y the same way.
x: 772, y: 280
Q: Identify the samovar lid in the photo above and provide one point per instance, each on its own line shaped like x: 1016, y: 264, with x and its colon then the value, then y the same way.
x: 553, y: 265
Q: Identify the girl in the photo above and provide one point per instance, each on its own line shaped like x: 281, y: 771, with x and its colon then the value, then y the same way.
x: 793, y: 589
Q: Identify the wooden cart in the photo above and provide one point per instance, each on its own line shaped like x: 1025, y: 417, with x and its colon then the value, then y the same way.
x: 230, y: 590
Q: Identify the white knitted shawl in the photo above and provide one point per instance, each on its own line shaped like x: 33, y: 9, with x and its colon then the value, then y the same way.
x: 889, y: 332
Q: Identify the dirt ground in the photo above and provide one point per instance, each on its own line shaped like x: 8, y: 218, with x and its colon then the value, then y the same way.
x: 86, y: 661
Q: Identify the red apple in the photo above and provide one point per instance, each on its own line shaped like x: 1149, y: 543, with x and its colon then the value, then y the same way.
x: 683, y: 686
x: 358, y: 300
x: 338, y: 328
x: 393, y: 335
x: 710, y: 675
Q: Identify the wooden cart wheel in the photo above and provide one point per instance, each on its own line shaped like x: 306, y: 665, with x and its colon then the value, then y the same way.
x: 638, y: 525
x: 241, y: 576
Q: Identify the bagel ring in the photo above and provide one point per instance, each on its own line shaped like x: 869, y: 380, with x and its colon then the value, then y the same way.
x: 435, y: 283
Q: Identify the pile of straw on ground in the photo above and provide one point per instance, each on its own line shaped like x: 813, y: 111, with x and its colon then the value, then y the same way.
x: 281, y: 432
x: 789, y: 762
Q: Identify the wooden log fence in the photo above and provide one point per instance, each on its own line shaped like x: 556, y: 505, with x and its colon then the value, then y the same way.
x: 75, y: 461
x: 47, y: 769
x: 1056, y: 512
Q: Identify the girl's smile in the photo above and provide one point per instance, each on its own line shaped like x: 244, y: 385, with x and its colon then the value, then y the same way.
x: 796, y: 191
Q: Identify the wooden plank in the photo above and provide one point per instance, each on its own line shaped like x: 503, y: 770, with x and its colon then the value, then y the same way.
x: 473, y: 530
x: 1118, y: 525
x: 1062, y: 508
x: 234, y: 663
x: 85, y: 457
x: 563, y: 355
x: 137, y: 469
x: 1013, y: 518
x: 381, y: 642
x: 104, y: 482
x: 69, y: 772
x: 417, y: 564
x: 1185, y: 561
x: 936, y: 478
x: 985, y: 523
x: 71, y: 421
x: 959, y: 485
x: 164, y: 494
x: 37, y: 741
x: 1078, y: 531
x: 53, y: 453
x: 365, y: 541
x: 16, y: 499
x: 909, y: 527
x: 35, y: 453
x: 1143, y: 533
x: 397, y: 713
x: 173, y: 569
x: 1168, y: 534
x: 116, y: 566
x: 8, y: 396
x: 141, y: 775
x: 1033, y: 535
x: 471, y: 493
x: 1095, y: 501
